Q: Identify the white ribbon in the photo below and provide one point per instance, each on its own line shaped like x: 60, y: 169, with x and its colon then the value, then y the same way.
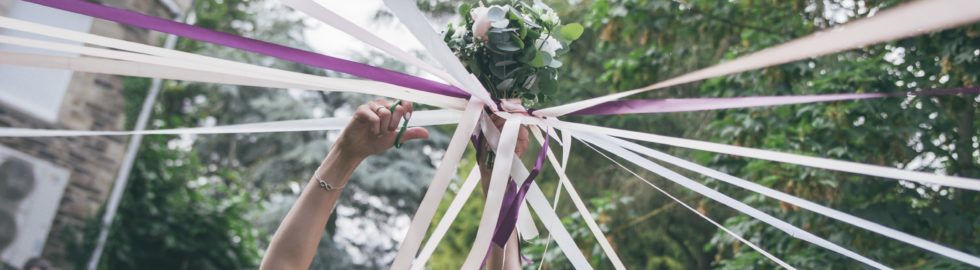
x: 566, y: 149
x: 902, y: 21
x: 437, y: 188
x: 189, y: 61
x: 408, y: 13
x: 149, y: 70
x: 448, y: 218
x: 537, y: 201
x: 420, y: 118
x: 600, y: 236
x: 495, y: 194
x: 706, y: 218
x: 612, y: 147
x: 803, y: 203
x: 325, y: 15
x: 823, y: 163
x: 525, y: 225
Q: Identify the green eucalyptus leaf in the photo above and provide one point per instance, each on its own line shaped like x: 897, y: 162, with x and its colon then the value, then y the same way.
x: 571, y: 32
x: 498, y: 71
x: 496, y: 13
x: 501, y: 23
x: 502, y: 30
x: 506, y: 85
x: 547, y: 82
x: 504, y: 63
x: 516, y: 71
x: 532, y: 24
x: 541, y: 59
x: 516, y: 40
x: 532, y: 34
x: 528, y: 55
x: 530, y: 81
x: 464, y: 10
x: 507, y: 47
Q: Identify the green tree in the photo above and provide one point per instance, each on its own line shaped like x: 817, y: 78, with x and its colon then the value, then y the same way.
x: 633, y: 43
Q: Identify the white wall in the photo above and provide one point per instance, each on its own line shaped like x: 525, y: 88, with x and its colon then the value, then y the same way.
x: 37, y: 91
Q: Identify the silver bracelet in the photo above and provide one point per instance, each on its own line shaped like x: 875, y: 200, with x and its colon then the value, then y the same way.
x: 323, y: 184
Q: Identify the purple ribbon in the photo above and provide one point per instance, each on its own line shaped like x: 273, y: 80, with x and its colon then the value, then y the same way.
x: 702, y: 104
x: 405, y: 80
x: 514, y: 197
x: 252, y: 45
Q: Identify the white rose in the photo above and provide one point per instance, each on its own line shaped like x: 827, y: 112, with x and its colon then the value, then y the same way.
x: 481, y: 23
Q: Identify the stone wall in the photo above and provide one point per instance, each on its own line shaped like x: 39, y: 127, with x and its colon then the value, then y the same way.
x: 91, y: 102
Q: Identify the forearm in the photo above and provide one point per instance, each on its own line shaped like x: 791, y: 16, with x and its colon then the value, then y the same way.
x: 296, y: 239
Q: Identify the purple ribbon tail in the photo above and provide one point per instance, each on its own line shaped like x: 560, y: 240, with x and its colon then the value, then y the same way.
x: 252, y: 45
x: 511, y: 205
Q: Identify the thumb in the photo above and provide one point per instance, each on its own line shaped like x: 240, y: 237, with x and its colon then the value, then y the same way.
x: 415, y: 133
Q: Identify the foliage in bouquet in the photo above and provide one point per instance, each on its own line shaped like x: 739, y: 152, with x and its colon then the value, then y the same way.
x: 513, y: 48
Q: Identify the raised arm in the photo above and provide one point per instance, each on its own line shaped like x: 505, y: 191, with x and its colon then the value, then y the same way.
x: 371, y: 131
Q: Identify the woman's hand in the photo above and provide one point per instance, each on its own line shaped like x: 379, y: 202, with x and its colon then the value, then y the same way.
x: 522, y: 144
x: 374, y: 127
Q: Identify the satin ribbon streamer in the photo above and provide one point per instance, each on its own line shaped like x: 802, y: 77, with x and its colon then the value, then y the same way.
x: 257, y: 46
x: 602, y: 142
x: 702, y: 104
x: 816, y: 162
x: 579, y: 205
x: 902, y: 21
x: 698, y: 213
x: 513, y: 198
x: 422, y: 118
x: 803, y: 203
x: 876, y: 29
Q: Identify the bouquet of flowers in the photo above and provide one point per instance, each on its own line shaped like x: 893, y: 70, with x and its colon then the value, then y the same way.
x: 513, y: 48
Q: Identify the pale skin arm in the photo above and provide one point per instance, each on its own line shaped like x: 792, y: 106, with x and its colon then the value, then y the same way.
x: 371, y: 131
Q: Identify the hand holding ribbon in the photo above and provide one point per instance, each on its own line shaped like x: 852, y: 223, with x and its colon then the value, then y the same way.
x: 373, y: 128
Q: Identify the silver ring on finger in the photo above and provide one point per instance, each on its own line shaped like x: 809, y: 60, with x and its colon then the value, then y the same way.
x: 376, y: 110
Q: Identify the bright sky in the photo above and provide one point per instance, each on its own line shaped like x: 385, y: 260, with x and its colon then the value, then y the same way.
x: 325, y: 39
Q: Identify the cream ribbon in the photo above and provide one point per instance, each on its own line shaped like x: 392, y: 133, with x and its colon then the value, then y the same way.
x: 803, y: 203
x: 902, y: 21
x: 420, y: 118
x: 448, y: 218
x: 499, y: 177
x: 706, y: 218
x: 189, y: 61
x: 603, y: 142
x: 149, y: 70
x: 318, y: 11
x: 408, y: 13
x: 535, y: 198
x: 866, y: 31
x: 600, y: 237
x: 437, y: 188
x: 823, y: 163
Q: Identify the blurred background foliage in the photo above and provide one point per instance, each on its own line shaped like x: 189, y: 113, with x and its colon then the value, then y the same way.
x: 213, y: 202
